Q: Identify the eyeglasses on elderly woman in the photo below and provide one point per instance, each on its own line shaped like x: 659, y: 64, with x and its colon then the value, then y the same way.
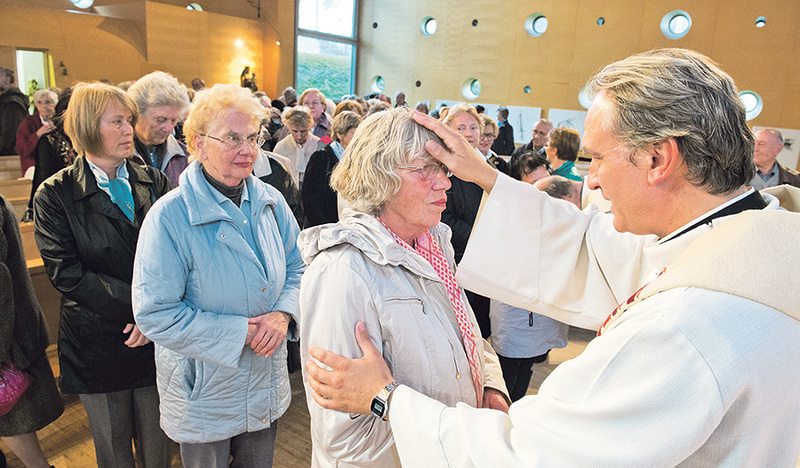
x: 428, y: 170
x: 234, y: 141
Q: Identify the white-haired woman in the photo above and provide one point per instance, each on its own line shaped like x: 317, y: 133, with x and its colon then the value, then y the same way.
x: 388, y: 262
x: 162, y: 103
x: 216, y: 281
x: 34, y: 127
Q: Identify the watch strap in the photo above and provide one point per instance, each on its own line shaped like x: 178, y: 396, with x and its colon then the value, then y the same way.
x: 380, y: 404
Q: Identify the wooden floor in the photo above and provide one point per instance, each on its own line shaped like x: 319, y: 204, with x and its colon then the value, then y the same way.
x: 67, y: 442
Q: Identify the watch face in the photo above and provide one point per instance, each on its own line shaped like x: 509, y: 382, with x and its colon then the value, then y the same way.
x: 378, y: 407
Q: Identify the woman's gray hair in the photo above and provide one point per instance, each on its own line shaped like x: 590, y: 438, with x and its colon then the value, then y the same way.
x: 366, y: 176
x: 343, y: 123
x: 681, y: 94
x: 45, y: 93
x: 298, y: 116
x: 159, y: 89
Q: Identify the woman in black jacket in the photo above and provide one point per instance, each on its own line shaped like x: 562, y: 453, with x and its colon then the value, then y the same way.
x: 86, y: 224
x: 319, y: 200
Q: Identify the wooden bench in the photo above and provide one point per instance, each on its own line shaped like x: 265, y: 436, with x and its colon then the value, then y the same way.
x: 28, y: 242
x: 17, y: 192
x: 10, y: 168
x: 16, y: 188
x: 49, y: 298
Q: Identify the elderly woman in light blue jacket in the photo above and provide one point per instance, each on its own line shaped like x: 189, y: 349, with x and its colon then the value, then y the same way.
x: 216, y: 281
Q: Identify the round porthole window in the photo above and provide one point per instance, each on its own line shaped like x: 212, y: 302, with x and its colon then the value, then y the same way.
x: 675, y: 24
x: 377, y: 84
x: 428, y: 26
x: 526, y: 89
x: 82, y: 3
x: 752, y: 104
x: 536, y: 24
x: 585, y: 97
x: 601, y: 21
x: 471, y: 88
x: 761, y: 21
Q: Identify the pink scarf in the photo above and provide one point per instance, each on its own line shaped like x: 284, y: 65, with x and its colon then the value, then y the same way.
x: 427, y: 247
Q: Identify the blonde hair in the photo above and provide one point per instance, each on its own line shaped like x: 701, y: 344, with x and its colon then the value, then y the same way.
x: 343, y: 122
x: 462, y: 108
x: 86, y: 107
x: 216, y: 103
x: 489, y: 122
x: 366, y: 176
x: 309, y: 91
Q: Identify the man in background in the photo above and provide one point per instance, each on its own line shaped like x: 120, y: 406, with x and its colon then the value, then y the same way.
x: 769, y: 172
x: 538, y: 140
x: 504, y: 144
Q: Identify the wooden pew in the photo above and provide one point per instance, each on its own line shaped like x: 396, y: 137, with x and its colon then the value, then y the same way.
x: 10, y: 168
x: 16, y: 188
x: 17, y: 192
x: 49, y: 298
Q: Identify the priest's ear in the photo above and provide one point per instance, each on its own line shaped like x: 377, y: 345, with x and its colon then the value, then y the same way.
x: 664, y: 159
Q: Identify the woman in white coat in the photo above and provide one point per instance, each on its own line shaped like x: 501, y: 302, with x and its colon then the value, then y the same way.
x: 389, y: 263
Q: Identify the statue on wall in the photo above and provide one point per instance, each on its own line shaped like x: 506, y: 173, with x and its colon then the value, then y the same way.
x: 248, y: 82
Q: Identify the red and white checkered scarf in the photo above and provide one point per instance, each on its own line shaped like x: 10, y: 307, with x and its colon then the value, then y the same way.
x: 425, y: 245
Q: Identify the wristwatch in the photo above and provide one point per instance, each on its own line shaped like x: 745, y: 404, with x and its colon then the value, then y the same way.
x: 380, y: 404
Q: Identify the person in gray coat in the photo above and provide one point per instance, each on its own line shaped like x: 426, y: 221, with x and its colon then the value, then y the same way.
x: 389, y: 263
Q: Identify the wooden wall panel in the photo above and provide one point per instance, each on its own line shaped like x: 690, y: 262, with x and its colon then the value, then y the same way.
x: 189, y: 44
x: 88, y: 52
x: 138, y: 37
x: 556, y: 65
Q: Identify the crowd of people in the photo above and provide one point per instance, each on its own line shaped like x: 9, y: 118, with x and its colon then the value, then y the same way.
x: 207, y: 241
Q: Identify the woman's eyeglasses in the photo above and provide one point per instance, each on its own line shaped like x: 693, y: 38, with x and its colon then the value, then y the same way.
x: 428, y: 170
x: 234, y: 141
x: 488, y: 136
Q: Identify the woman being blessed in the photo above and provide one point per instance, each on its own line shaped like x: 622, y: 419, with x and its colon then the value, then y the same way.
x: 389, y: 263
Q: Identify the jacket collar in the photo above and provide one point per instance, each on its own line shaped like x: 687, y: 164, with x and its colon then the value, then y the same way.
x: 173, y: 148
x: 365, y: 233
x: 86, y: 184
x: 85, y: 187
x: 204, y: 208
